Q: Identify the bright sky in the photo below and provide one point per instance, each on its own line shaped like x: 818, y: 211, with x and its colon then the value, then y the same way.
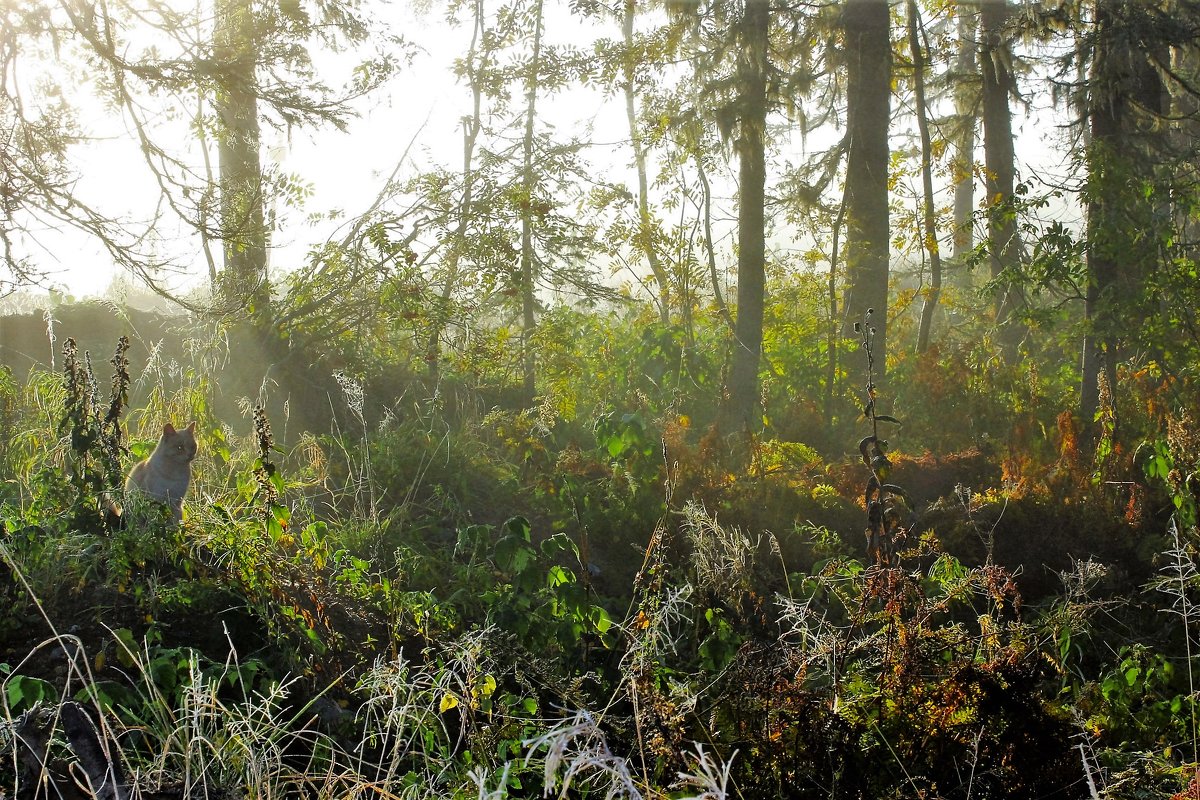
x: 417, y: 119
x: 414, y: 118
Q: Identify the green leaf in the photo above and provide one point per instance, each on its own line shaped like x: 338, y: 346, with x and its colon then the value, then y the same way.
x: 518, y: 527
x: 600, y: 620
x: 23, y: 692
x: 557, y: 576
x: 559, y: 544
x: 514, y: 555
x: 109, y: 694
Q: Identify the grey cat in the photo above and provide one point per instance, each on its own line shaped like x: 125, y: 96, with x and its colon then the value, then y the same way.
x: 165, y: 475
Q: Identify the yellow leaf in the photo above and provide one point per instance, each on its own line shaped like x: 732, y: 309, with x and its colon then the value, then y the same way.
x: 449, y: 701
x: 485, y: 687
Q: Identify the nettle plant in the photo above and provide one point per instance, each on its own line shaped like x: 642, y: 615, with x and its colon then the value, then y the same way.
x: 90, y: 474
x: 539, y: 597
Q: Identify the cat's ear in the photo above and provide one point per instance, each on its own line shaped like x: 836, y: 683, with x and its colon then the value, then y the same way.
x: 192, y: 426
x: 168, y: 429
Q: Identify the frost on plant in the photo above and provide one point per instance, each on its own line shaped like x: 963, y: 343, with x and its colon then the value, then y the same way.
x: 655, y: 633
x: 406, y: 704
x: 577, y: 752
x: 722, y: 556
x: 709, y: 776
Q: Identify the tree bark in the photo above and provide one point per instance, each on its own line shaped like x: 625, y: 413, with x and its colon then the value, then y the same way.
x: 645, y: 237
x: 528, y: 184
x: 933, y: 292
x: 1105, y: 122
x: 868, y: 111
x: 965, y: 105
x: 1127, y: 100
x: 833, y: 337
x: 751, y: 147
x: 1000, y: 160
x: 243, y: 279
x: 471, y: 128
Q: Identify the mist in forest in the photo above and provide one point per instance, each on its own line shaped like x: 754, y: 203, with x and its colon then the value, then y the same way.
x: 500, y: 398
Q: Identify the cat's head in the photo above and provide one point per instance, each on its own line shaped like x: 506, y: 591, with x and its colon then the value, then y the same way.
x: 181, y: 445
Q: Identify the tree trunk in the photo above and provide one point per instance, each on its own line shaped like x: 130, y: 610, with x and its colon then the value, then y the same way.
x: 1127, y: 100
x: 963, y: 164
x: 999, y: 159
x: 831, y: 342
x: 868, y: 112
x: 528, y: 184
x: 645, y: 236
x: 1098, y: 355
x: 1183, y: 108
x: 710, y: 251
x: 751, y: 147
x: 243, y: 279
x: 933, y: 292
x: 471, y: 129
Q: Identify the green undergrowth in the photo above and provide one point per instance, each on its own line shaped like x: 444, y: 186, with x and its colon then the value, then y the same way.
x: 596, y: 596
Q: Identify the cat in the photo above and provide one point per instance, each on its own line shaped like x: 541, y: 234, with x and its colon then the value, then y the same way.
x: 165, y: 475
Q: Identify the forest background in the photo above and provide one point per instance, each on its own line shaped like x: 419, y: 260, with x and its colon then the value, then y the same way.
x: 790, y: 432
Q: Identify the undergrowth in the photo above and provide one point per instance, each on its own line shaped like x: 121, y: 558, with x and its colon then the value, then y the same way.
x: 575, y: 600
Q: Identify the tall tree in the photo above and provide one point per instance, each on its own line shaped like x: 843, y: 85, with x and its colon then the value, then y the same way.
x: 866, y: 27
x: 528, y: 183
x: 966, y: 102
x: 243, y: 233
x: 752, y: 73
x: 508, y: 232
x: 645, y: 235
x: 996, y: 59
x: 929, y: 212
x: 733, y: 77
x: 474, y: 65
x: 1126, y: 92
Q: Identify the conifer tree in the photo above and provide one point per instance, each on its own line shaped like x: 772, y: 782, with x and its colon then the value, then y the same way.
x: 868, y: 58
x: 996, y: 68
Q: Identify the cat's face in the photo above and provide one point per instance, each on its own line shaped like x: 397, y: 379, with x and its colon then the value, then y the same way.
x: 180, y: 445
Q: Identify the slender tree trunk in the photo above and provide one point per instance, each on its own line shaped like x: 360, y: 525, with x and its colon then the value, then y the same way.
x: 868, y: 113
x: 1000, y: 159
x: 1098, y: 355
x: 751, y: 146
x: 710, y: 251
x: 831, y: 365
x: 1126, y: 92
x: 244, y: 276
x: 965, y: 105
x: 933, y: 293
x: 471, y: 128
x: 1184, y: 111
x: 206, y: 202
x: 528, y: 184
x: 1105, y: 110
x: 645, y: 238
